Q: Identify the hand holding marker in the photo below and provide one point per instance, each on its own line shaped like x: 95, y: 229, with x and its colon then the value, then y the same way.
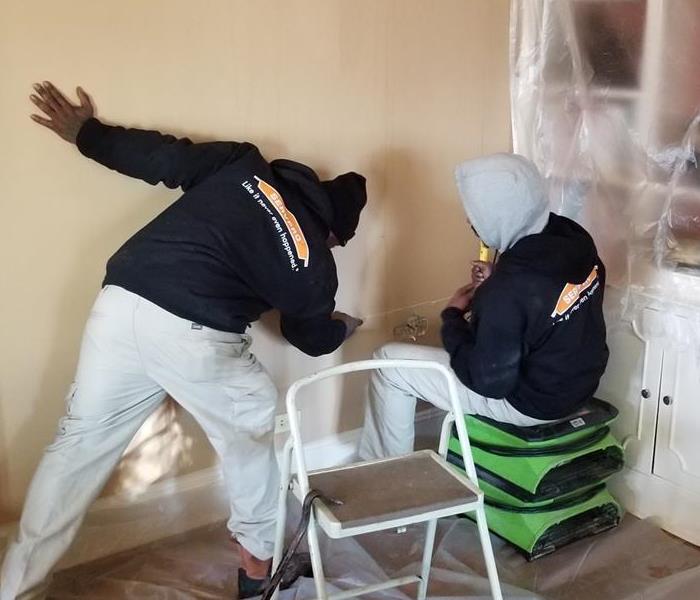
x: 482, y: 268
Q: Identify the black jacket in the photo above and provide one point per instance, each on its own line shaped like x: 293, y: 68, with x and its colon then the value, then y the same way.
x: 534, y: 337
x: 245, y: 237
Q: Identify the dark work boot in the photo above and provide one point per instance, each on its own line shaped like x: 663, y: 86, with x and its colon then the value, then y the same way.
x: 249, y: 587
x: 299, y: 566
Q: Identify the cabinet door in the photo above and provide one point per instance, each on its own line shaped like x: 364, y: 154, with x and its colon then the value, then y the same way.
x: 678, y: 436
x: 631, y: 384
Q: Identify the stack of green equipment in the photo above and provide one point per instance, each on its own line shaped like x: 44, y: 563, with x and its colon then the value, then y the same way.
x: 544, y: 486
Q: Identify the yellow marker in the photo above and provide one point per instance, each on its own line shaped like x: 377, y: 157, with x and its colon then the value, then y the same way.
x: 483, y: 252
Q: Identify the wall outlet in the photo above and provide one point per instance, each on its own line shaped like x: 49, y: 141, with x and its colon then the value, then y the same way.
x: 282, y: 422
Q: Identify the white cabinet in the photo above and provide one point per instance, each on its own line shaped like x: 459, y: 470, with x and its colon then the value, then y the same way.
x: 656, y: 388
x: 677, y: 457
x: 632, y: 384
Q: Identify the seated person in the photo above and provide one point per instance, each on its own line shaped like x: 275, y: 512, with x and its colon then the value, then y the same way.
x: 526, y: 339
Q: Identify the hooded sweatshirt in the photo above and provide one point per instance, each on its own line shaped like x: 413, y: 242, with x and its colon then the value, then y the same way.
x: 536, y: 333
x: 246, y: 236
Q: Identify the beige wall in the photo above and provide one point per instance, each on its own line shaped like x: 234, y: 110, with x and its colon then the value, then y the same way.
x: 400, y: 90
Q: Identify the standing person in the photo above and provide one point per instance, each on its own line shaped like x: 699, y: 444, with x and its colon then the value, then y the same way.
x: 526, y: 338
x: 246, y: 236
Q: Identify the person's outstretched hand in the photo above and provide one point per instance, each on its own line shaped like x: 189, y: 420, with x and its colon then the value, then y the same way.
x: 64, y: 118
x: 351, y: 323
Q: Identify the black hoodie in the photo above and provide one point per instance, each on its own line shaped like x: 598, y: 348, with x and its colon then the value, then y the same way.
x: 245, y: 237
x: 536, y: 335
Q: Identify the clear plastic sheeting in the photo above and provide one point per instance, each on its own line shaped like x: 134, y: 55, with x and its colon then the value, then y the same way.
x: 606, y: 100
x: 635, y: 561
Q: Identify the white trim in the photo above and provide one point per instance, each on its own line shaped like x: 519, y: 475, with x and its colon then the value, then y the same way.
x: 330, y: 451
x: 432, y: 412
x: 665, y: 504
x: 5, y: 533
x: 175, y: 486
x: 172, y: 507
x: 340, y: 448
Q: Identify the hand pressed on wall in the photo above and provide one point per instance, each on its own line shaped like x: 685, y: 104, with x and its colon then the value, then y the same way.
x: 351, y: 323
x: 65, y: 118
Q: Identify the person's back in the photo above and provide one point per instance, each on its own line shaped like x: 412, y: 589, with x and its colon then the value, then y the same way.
x: 536, y: 335
x: 537, y: 322
x: 247, y: 235
x: 527, y: 341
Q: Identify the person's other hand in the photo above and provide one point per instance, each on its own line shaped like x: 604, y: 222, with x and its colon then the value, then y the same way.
x: 351, y: 323
x: 481, y: 271
x: 462, y: 298
x: 64, y: 118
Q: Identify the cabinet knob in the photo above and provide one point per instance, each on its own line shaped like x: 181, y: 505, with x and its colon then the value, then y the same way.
x: 667, y: 400
x: 645, y: 393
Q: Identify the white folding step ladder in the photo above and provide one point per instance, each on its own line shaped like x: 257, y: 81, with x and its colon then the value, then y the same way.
x: 419, y: 487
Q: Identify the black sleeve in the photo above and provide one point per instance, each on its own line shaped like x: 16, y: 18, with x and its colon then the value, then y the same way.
x: 486, y: 351
x: 306, y: 302
x: 314, y: 336
x: 154, y: 157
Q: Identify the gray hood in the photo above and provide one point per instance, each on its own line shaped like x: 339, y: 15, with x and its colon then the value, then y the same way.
x: 504, y: 197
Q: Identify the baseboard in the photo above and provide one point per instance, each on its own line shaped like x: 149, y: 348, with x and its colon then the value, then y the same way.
x: 5, y: 534
x: 429, y: 412
x: 171, y: 507
x: 174, y: 506
x: 665, y: 504
x: 335, y: 449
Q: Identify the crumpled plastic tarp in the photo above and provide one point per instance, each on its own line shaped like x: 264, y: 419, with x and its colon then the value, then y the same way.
x: 606, y: 101
x: 635, y: 561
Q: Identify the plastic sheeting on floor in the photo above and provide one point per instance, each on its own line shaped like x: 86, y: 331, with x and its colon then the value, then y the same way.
x: 635, y: 561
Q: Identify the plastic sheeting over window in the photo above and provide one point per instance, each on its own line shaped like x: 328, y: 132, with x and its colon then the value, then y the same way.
x: 606, y: 101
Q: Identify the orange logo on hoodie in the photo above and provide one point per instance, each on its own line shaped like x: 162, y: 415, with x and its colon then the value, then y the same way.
x: 298, y: 239
x: 572, y: 292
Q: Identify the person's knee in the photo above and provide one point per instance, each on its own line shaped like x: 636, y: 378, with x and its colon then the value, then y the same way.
x: 405, y: 351
x: 75, y: 432
x: 392, y: 350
